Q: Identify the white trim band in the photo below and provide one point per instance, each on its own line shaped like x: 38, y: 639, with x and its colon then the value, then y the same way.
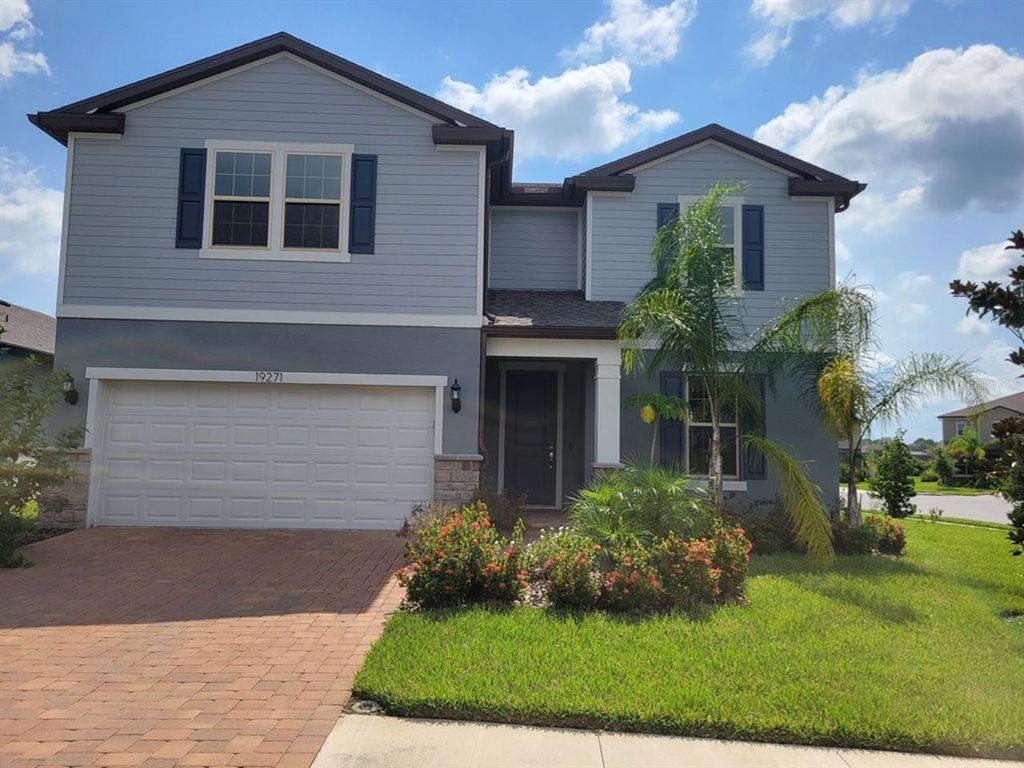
x: 289, y: 316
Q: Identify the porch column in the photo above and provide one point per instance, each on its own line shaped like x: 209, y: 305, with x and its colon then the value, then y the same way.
x: 607, y: 413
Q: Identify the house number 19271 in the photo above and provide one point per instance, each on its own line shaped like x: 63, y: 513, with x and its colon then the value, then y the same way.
x: 269, y: 377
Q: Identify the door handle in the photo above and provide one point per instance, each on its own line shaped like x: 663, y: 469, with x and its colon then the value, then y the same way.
x: 551, y: 456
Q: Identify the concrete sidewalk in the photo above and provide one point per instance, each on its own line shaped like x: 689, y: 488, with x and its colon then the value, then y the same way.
x: 372, y: 741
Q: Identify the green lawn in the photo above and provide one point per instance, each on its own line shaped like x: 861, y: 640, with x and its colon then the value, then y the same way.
x: 913, y: 654
x: 920, y: 486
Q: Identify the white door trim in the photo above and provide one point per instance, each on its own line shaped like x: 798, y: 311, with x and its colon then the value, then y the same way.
x: 504, y: 367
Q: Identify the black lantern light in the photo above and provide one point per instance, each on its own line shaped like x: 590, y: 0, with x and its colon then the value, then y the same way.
x: 70, y: 393
x: 456, y: 395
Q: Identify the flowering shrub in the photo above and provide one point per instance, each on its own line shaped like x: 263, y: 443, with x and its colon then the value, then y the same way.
x: 565, y: 561
x: 458, y: 557
x: 889, y: 534
x: 854, y: 540
x: 631, y: 583
x: 687, y: 571
x: 731, y: 557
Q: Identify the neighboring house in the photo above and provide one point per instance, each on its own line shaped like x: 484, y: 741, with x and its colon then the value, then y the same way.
x: 25, y: 333
x: 981, y: 417
x: 276, y: 266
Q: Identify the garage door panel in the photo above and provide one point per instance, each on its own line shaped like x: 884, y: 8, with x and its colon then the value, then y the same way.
x: 214, y: 454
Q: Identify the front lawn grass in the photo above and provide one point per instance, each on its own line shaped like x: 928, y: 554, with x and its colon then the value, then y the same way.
x: 920, y: 653
x: 934, y: 488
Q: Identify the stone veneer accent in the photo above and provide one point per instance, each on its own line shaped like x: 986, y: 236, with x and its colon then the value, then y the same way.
x: 65, y: 505
x: 456, y: 478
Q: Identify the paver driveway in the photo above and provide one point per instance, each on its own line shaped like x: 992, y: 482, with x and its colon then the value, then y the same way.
x: 179, y: 647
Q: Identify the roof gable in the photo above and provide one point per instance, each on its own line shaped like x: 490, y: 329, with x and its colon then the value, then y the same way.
x: 1014, y: 402
x: 119, y: 98
x: 27, y: 329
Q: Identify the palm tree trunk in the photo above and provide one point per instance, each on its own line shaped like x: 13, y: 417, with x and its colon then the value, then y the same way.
x: 852, y: 502
x: 715, y: 464
x: 654, y: 439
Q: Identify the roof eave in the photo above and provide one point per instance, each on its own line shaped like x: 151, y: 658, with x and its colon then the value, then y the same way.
x: 550, y: 331
x: 59, y: 124
x: 842, y: 191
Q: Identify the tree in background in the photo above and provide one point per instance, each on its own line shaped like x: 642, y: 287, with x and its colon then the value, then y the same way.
x: 966, y: 453
x: 893, y: 480
x: 942, y: 465
x: 1005, y: 304
x: 832, y: 336
x: 28, y: 464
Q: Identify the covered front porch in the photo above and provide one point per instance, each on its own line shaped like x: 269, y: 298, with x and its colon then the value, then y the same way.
x: 551, y: 416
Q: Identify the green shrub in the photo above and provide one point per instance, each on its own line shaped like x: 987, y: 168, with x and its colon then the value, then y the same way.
x: 767, y: 527
x: 930, y: 476
x: 458, y: 557
x: 854, y: 540
x: 686, y: 570
x: 505, y: 510
x: 634, y: 506
x: 889, y: 535
x: 631, y: 583
x: 565, y: 561
x: 731, y: 549
x: 893, y: 479
x: 14, y: 525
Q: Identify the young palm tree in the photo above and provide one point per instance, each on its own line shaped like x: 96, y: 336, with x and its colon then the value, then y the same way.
x: 690, y: 317
x: 831, y: 336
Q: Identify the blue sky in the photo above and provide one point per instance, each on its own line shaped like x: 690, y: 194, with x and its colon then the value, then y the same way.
x: 922, y: 100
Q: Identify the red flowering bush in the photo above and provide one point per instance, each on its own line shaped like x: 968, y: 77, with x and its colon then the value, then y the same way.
x: 687, y: 571
x: 891, y: 538
x: 458, y: 557
x: 565, y: 561
x: 731, y: 557
x: 631, y: 583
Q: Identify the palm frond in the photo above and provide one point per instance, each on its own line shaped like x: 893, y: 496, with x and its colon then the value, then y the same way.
x: 801, y: 500
x: 899, y: 390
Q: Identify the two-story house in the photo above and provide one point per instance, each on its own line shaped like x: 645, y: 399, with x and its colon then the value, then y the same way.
x: 295, y: 293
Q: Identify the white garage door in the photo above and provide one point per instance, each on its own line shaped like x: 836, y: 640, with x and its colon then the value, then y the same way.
x: 263, y: 456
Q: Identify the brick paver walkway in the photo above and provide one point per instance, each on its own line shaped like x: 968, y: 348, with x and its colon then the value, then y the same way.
x: 163, y: 647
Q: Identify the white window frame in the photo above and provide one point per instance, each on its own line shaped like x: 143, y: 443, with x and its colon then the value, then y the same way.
x: 275, y: 250
x: 340, y: 201
x: 960, y: 427
x: 736, y: 203
x: 734, y: 424
x: 215, y: 198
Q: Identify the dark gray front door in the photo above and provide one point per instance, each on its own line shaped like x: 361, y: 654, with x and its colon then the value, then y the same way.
x: 531, y: 435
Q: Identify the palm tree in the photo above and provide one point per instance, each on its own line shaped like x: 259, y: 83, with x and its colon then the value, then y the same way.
x: 689, y: 317
x: 831, y: 337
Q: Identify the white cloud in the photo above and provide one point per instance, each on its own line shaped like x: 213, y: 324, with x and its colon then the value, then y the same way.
x: 987, y: 262
x: 576, y: 113
x: 1001, y: 376
x: 878, y: 211
x: 636, y: 32
x: 842, y: 252
x: 16, y: 29
x: 971, y: 324
x: 944, y: 133
x: 783, y: 15
x: 30, y: 216
x: 909, y: 282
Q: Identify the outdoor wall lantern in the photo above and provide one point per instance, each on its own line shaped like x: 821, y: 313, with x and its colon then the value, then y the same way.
x: 70, y: 393
x: 456, y: 395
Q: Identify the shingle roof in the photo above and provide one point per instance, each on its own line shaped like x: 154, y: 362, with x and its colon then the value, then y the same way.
x: 551, y: 313
x: 27, y: 329
x: 1014, y: 402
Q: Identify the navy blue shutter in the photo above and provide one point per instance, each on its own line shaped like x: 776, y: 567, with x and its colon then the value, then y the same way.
x: 672, y: 443
x: 753, y: 247
x: 667, y: 212
x: 191, y: 187
x: 363, y: 206
x: 753, y: 422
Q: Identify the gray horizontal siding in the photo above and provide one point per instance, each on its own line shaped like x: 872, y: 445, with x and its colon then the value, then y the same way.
x: 124, y: 204
x: 534, y: 250
x: 796, y: 233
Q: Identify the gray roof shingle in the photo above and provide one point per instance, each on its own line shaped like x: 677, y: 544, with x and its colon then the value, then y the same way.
x: 552, y: 313
x: 27, y: 329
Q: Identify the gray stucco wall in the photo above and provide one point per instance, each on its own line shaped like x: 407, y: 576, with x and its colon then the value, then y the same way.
x: 788, y: 421
x: 797, y: 237
x: 124, y: 203
x: 534, y: 249
x: 452, y: 352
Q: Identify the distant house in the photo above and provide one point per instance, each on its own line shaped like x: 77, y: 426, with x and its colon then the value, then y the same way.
x: 25, y: 332
x: 981, y: 417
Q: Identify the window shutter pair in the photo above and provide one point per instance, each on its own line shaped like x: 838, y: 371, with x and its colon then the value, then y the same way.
x: 752, y: 245
x: 192, y: 188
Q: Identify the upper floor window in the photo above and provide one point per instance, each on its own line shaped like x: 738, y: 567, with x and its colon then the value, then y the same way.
x: 961, y: 427
x: 277, y: 201
x: 731, y: 209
